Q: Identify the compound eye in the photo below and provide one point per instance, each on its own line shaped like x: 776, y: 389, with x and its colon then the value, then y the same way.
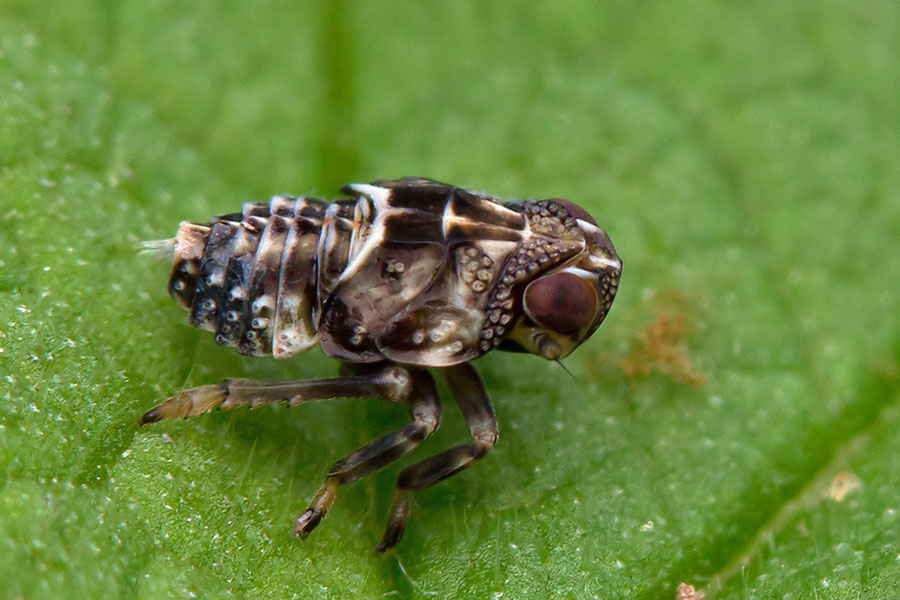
x: 561, y: 302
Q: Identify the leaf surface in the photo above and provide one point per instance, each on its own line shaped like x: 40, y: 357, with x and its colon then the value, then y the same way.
x: 733, y: 424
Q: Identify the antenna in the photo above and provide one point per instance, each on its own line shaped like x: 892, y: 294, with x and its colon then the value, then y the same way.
x: 564, y: 368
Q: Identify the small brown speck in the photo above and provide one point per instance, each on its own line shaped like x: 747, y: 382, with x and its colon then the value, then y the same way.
x: 843, y: 483
x: 687, y: 592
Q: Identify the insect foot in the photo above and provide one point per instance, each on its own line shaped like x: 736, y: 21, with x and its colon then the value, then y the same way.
x: 322, y: 501
x: 187, y: 404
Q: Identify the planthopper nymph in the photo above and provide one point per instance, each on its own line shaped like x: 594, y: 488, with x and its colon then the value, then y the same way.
x: 398, y: 279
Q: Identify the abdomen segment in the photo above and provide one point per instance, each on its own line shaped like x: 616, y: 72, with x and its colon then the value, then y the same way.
x: 251, y: 277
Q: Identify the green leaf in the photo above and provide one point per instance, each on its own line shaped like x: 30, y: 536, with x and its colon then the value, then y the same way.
x: 734, y: 424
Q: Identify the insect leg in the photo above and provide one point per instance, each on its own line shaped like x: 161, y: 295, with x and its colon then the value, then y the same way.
x: 391, y: 383
x: 470, y: 395
x: 426, y: 412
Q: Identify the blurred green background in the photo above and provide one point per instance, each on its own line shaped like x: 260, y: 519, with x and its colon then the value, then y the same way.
x: 733, y: 424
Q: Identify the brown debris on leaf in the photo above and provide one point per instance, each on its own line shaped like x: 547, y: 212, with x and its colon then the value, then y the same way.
x: 842, y: 484
x: 687, y: 592
x: 662, y: 344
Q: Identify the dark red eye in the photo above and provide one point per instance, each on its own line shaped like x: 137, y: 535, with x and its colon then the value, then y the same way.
x: 561, y: 302
x: 575, y: 210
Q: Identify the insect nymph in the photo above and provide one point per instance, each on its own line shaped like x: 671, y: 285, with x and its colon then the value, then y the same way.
x: 400, y: 277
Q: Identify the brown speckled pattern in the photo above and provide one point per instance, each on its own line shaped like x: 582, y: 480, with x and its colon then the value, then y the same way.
x: 411, y: 271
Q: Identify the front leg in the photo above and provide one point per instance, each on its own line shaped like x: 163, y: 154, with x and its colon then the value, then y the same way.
x: 470, y: 395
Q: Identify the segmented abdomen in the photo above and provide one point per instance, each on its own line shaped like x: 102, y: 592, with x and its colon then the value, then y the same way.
x: 253, y: 278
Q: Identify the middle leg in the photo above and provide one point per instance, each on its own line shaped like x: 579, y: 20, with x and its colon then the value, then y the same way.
x: 426, y: 412
x: 469, y: 392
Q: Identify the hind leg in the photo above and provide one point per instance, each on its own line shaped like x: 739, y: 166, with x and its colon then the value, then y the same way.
x: 414, y: 386
x: 391, y: 383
